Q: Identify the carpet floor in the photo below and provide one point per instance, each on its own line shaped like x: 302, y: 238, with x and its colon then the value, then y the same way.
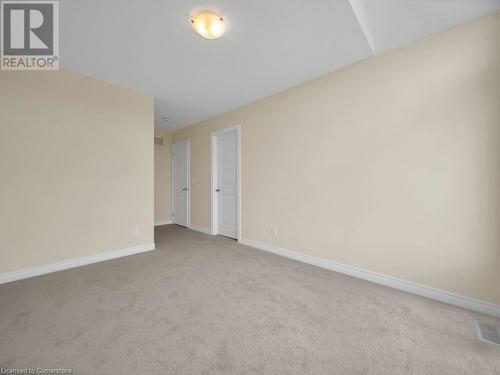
x: 207, y: 305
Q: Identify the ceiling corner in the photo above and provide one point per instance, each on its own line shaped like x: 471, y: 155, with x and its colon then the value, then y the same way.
x: 359, y: 10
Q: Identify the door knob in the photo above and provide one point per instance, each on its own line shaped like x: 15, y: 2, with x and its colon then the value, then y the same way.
x: 217, y: 190
x: 185, y: 189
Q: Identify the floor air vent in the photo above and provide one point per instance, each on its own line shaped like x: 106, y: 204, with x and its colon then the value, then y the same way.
x: 488, y: 333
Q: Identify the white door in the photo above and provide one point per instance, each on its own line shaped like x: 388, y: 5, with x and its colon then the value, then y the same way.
x: 180, y: 183
x: 227, y: 183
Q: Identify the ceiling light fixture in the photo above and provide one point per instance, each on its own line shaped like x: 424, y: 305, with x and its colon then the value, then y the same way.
x: 208, y: 24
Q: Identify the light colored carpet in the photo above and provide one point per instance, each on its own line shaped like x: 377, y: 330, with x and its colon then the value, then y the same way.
x: 206, y: 305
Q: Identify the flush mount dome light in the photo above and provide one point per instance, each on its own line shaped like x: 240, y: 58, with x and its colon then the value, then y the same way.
x: 208, y: 24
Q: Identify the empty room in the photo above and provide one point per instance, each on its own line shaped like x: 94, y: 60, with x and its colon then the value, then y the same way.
x: 250, y: 187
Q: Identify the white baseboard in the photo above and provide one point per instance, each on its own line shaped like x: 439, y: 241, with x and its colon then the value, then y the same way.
x: 72, y: 263
x: 200, y: 229
x: 407, y: 286
x: 163, y: 222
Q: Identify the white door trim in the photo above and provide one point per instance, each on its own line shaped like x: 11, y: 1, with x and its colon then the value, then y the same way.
x: 213, y: 176
x: 188, y: 141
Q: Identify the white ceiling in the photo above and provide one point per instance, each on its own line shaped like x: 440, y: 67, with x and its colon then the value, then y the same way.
x: 269, y: 45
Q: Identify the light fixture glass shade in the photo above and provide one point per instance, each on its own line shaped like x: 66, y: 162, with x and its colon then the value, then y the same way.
x: 208, y: 24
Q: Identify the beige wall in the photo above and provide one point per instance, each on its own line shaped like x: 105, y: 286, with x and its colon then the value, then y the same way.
x: 76, y: 168
x: 391, y: 165
x: 163, y: 164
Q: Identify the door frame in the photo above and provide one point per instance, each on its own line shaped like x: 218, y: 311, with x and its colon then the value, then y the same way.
x: 213, y: 175
x: 188, y: 162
